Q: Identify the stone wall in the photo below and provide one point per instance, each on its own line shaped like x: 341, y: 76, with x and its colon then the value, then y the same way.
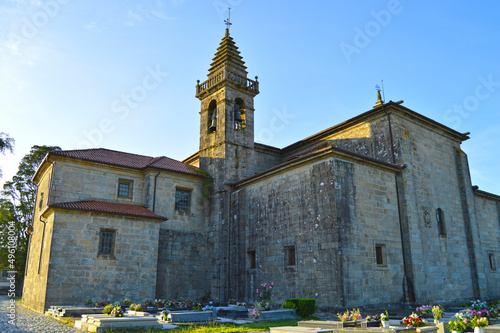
x: 80, y: 180
x: 369, y: 137
x: 442, y: 263
x: 488, y: 218
x: 332, y: 213
x: 183, y: 263
x: 76, y: 180
x: 76, y: 270
x: 35, y: 280
x: 266, y: 157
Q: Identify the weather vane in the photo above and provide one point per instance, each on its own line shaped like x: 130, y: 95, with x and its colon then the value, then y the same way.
x: 228, y: 21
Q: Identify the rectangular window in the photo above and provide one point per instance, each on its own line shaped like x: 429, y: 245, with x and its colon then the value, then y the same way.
x: 106, y: 242
x: 290, y: 256
x: 380, y: 255
x: 182, y: 200
x: 491, y: 258
x: 251, y: 260
x: 125, y: 188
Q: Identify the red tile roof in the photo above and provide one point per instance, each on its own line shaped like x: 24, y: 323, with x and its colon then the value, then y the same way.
x: 109, y: 208
x: 128, y: 160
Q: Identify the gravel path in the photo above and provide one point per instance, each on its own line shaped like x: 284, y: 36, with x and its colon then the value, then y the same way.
x: 28, y: 320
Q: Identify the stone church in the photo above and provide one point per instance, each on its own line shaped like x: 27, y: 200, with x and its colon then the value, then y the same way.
x: 376, y: 210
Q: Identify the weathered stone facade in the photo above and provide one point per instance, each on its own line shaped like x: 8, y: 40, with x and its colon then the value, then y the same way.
x: 376, y: 210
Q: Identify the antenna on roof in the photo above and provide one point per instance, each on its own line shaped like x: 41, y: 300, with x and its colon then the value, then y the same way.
x: 228, y: 21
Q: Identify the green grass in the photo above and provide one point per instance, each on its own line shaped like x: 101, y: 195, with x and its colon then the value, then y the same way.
x: 262, y: 326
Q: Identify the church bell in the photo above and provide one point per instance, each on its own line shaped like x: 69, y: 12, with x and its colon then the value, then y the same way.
x: 213, y: 124
x: 237, y: 116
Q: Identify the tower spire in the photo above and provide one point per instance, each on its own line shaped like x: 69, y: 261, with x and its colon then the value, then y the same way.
x: 379, y: 97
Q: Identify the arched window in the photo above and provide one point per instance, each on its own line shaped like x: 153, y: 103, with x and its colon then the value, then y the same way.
x: 239, y: 114
x: 440, y: 222
x: 212, y: 117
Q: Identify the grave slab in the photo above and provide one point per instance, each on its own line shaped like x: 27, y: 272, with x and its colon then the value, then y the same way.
x: 103, y: 323
x: 495, y: 328
x: 191, y: 316
x: 278, y: 314
x: 298, y: 329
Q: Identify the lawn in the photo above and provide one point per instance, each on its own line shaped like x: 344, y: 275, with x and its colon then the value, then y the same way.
x: 259, y: 326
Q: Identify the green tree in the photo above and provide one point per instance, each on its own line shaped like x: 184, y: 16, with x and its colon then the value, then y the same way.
x: 16, y: 209
x: 6, y: 144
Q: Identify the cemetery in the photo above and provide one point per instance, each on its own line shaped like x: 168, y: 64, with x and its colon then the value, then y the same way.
x: 155, y: 315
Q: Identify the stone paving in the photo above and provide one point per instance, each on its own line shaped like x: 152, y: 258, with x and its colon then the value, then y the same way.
x: 28, y: 320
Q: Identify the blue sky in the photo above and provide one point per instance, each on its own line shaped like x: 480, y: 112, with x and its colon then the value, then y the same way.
x: 68, y: 69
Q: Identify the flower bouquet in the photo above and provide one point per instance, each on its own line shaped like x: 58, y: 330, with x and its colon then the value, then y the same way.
x: 479, y: 322
x: 343, y: 317
x: 414, y: 320
x: 254, y: 313
x: 116, y: 312
x: 458, y: 325
x: 437, y: 313
x: 373, y: 317
x: 424, y: 310
x: 384, y: 318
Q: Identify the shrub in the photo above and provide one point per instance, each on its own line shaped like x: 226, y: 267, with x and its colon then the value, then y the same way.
x: 137, y: 307
x: 102, y: 303
x: 305, y: 306
x: 288, y: 304
x: 108, y: 308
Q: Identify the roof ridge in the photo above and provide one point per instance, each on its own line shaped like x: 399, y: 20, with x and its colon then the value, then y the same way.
x: 100, y: 148
x: 109, y: 207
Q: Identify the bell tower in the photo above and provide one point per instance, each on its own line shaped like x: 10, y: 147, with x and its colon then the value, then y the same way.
x: 226, y: 150
x: 227, y: 115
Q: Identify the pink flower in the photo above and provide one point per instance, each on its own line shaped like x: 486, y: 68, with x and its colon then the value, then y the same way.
x: 257, y: 291
x: 270, y: 287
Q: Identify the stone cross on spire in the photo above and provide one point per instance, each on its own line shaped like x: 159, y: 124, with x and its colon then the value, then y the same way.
x: 228, y: 21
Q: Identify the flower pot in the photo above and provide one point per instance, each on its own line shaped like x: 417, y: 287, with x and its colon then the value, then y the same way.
x: 456, y: 332
x: 385, y: 323
x: 436, y: 321
x: 478, y: 329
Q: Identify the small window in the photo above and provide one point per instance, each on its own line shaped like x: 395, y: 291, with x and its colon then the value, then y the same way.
x: 251, y: 260
x: 5, y: 273
x: 106, y: 242
x: 491, y: 258
x: 440, y: 222
x: 182, y: 200
x: 380, y: 255
x: 40, y: 204
x: 290, y: 256
x: 125, y: 188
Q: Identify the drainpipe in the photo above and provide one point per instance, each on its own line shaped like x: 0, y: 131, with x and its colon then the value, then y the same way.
x: 154, y: 191
x: 409, y: 282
